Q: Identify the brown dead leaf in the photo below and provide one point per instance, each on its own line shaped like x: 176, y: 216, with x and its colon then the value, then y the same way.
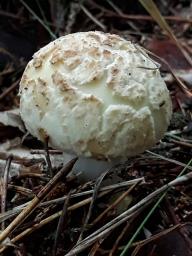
x: 167, y: 50
x: 173, y: 241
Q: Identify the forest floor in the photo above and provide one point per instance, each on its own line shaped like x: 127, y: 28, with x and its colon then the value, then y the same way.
x: 149, y: 211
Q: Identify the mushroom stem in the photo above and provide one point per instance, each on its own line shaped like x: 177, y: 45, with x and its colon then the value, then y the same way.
x: 89, y: 168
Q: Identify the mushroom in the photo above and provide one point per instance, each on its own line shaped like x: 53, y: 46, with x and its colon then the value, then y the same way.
x: 97, y: 96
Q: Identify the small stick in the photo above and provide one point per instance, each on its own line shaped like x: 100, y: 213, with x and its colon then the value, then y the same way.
x: 37, y: 199
x: 110, y: 13
x: 9, y: 89
x: 21, y: 190
x: 119, y: 199
x: 41, y: 151
x: 97, y: 244
x: 114, y: 248
x: 169, y: 160
x: 181, y: 143
x: 47, y: 156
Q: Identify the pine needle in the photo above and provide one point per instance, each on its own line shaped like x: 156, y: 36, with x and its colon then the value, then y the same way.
x: 124, y: 252
x: 151, y: 7
x: 39, y: 19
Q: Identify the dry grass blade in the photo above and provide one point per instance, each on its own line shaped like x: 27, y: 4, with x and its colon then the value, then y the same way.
x: 119, y: 239
x: 39, y: 19
x: 19, y: 208
x: 96, y: 246
x: 114, y: 248
x: 61, y: 224
x: 47, y: 220
x: 95, y: 193
x: 96, y: 21
x: 151, y: 7
x: 4, y: 185
x: 170, y: 160
x: 37, y: 199
x: 42, y: 12
x: 120, y: 13
x: 145, y: 17
x: 92, y: 239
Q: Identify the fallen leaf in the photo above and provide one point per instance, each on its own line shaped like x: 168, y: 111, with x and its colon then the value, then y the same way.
x: 173, y: 241
x: 12, y: 118
x: 167, y: 50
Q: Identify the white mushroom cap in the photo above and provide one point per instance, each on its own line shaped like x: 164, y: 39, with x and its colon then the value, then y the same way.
x: 95, y: 95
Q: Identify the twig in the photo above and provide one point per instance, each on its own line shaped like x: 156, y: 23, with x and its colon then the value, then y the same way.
x: 96, y: 21
x: 47, y: 156
x: 97, y: 244
x: 37, y: 199
x: 109, y: 13
x: 41, y: 151
x: 39, y: 19
x: 11, y: 15
x: 119, y: 199
x: 8, y: 69
x: 169, y: 160
x: 9, y: 89
x: 145, y: 17
x: 169, y: 134
x: 119, y: 12
x: 181, y: 143
x: 170, y: 212
x: 114, y: 248
x: 21, y: 190
x: 156, y: 236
